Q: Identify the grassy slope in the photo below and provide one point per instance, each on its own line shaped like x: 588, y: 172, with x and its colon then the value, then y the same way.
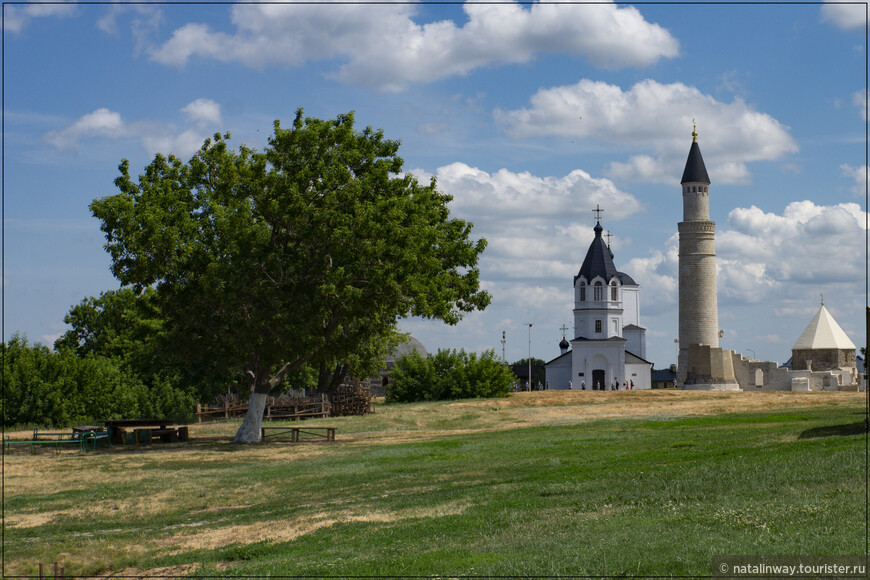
x: 647, y: 492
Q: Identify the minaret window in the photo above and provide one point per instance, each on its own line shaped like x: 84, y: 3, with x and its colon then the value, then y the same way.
x: 582, y: 291
x: 613, y: 294
x: 598, y: 326
x: 599, y: 293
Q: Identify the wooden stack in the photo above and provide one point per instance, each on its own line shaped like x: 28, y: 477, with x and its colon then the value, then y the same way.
x: 352, y: 398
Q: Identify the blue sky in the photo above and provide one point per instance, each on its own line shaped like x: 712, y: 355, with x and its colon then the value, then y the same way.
x: 529, y: 115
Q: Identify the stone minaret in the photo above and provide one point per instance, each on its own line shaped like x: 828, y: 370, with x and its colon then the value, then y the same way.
x: 699, y: 318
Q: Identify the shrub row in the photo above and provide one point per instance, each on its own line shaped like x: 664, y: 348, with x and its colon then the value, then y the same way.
x: 449, y: 374
x: 58, y: 389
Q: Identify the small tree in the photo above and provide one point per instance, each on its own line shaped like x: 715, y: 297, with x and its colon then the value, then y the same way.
x: 306, y: 253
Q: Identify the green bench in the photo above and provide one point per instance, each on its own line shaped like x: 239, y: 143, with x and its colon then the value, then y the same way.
x: 85, y: 440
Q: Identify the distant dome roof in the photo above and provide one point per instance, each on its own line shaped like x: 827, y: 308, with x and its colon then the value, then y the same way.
x: 626, y: 279
x: 564, y: 344
x: 405, y: 348
x: 823, y: 332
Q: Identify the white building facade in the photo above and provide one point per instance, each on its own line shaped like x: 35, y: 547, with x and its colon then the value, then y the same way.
x: 609, y: 344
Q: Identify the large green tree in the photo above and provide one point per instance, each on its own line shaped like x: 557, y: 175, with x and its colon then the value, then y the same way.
x: 305, y: 253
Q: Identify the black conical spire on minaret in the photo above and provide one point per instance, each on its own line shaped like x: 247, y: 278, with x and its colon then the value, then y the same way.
x: 695, y: 171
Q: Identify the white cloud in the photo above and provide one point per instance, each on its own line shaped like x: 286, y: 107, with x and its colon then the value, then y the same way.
x: 767, y: 257
x: 845, y: 16
x: 641, y: 168
x: 385, y: 48
x: 144, y: 25
x: 859, y: 99
x: 154, y: 137
x: 530, y: 222
x: 505, y: 195
x: 182, y: 144
x: 859, y: 176
x: 655, y: 116
x: 203, y: 111
x: 769, y: 251
x: 100, y: 123
x: 17, y: 17
x: 657, y: 276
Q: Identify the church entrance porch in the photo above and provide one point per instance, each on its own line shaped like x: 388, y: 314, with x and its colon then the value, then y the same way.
x: 598, y: 380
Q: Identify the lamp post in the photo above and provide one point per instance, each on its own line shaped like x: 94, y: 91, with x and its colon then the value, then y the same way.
x: 530, y: 356
x: 503, y: 340
x: 753, y: 352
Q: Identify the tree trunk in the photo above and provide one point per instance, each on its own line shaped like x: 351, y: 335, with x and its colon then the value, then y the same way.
x: 250, y: 432
x: 330, y: 378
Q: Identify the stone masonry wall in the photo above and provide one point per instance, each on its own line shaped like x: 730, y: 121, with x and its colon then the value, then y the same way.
x: 822, y: 359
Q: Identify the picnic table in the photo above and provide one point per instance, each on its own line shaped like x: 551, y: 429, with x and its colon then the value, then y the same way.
x: 147, y: 430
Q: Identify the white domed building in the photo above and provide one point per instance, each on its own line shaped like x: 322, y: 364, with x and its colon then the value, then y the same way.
x: 609, y: 344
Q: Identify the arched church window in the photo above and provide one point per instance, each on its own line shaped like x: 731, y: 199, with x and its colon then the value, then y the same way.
x: 599, y: 291
x: 582, y: 291
x: 613, y: 291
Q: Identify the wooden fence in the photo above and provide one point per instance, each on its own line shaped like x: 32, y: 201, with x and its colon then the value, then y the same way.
x: 282, y: 408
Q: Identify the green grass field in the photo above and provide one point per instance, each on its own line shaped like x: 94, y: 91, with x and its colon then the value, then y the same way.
x: 650, y: 484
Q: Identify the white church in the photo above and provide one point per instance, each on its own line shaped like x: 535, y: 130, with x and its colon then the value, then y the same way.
x: 608, y: 350
x: 609, y: 346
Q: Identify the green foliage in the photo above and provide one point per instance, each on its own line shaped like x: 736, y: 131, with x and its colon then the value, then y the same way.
x: 525, y: 361
x: 120, y: 323
x: 127, y: 326
x: 306, y: 253
x: 448, y: 374
x: 58, y: 389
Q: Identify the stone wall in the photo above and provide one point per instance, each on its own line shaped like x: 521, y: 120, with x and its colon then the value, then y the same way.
x: 822, y: 359
x: 773, y: 378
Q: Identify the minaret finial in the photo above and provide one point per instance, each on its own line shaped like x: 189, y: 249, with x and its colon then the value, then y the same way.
x: 694, y: 132
x: 822, y: 296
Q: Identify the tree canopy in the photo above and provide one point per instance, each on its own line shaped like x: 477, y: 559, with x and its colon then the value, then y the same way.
x: 128, y: 327
x: 305, y: 253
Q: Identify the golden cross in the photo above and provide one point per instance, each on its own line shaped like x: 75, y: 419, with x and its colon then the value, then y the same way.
x: 597, y: 211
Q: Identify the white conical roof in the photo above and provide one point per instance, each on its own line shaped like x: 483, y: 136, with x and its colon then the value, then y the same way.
x: 823, y: 332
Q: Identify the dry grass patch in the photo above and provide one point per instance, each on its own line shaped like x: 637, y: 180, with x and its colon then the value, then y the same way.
x: 276, y: 531
x: 165, y: 572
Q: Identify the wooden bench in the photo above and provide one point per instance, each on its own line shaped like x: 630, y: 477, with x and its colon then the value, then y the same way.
x: 296, y: 433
